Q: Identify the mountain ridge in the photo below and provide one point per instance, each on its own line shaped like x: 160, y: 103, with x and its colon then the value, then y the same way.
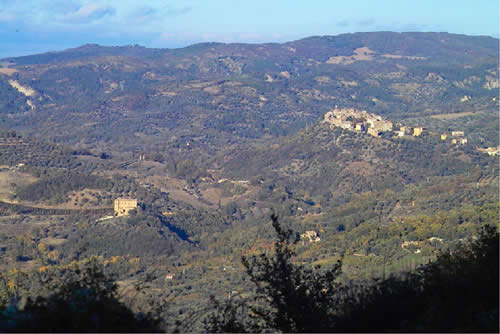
x: 212, y: 138
x: 360, y: 36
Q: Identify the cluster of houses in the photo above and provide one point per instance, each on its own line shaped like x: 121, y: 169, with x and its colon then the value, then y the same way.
x: 457, y: 137
x: 12, y: 167
x: 491, y: 151
x: 404, y: 130
x: 357, y: 120
x: 365, y: 122
x: 311, y: 236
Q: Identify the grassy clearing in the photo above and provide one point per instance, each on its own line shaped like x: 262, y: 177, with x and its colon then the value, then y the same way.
x: 10, y: 180
x: 453, y: 116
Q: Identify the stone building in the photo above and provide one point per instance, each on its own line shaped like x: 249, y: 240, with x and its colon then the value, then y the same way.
x: 311, y: 236
x: 417, y: 131
x: 382, y: 125
x: 461, y: 141
x: 123, y: 206
x: 357, y: 120
x: 360, y: 127
x: 346, y: 125
x: 491, y: 151
x: 374, y: 132
x: 406, y: 129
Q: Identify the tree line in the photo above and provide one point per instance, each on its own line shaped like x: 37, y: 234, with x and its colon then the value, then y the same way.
x: 456, y: 292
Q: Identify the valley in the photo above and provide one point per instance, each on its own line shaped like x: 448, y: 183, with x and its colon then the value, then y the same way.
x: 363, y: 143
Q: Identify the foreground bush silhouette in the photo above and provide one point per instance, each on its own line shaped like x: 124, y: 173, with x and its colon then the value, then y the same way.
x: 289, y: 297
x: 86, y: 301
x: 457, y: 292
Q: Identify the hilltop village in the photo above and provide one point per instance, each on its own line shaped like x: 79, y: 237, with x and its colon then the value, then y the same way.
x: 365, y: 122
x: 362, y: 121
x: 357, y: 120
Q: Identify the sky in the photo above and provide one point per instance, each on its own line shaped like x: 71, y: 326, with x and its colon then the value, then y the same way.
x: 36, y: 26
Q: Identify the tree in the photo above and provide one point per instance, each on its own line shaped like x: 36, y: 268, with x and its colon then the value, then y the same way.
x: 458, y: 292
x: 104, y: 155
x: 464, y: 283
x: 289, y: 297
x: 83, y: 299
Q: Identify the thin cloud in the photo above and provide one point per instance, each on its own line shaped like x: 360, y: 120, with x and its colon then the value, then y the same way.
x: 343, y: 23
x: 144, y: 14
x: 170, y: 11
x: 89, y: 13
x: 366, y: 22
x: 148, y: 14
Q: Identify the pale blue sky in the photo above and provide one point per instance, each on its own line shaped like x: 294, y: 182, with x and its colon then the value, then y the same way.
x: 34, y: 26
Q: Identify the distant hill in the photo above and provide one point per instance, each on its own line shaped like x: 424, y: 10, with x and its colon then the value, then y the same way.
x: 211, y: 95
x: 450, y: 48
x: 212, y: 138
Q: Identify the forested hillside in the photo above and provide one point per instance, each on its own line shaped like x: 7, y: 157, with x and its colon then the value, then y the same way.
x: 213, y: 139
x: 212, y: 95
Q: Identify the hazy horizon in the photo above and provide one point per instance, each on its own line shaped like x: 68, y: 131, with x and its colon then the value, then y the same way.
x: 33, y: 27
x: 208, y: 42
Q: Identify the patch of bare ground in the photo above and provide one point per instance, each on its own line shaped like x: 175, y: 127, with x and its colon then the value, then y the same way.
x: 54, y: 241
x: 77, y: 200
x: 200, y: 85
x: 212, y: 90
x: 167, y: 93
x: 10, y: 180
x: 347, y: 83
x: 178, y: 190
x: 182, y: 195
x: 454, y: 115
x: 403, y: 57
x: 8, y: 71
x: 25, y: 90
x: 285, y: 74
x: 363, y: 53
x: 216, y: 195
x: 213, y: 195
x: 322, y: 79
